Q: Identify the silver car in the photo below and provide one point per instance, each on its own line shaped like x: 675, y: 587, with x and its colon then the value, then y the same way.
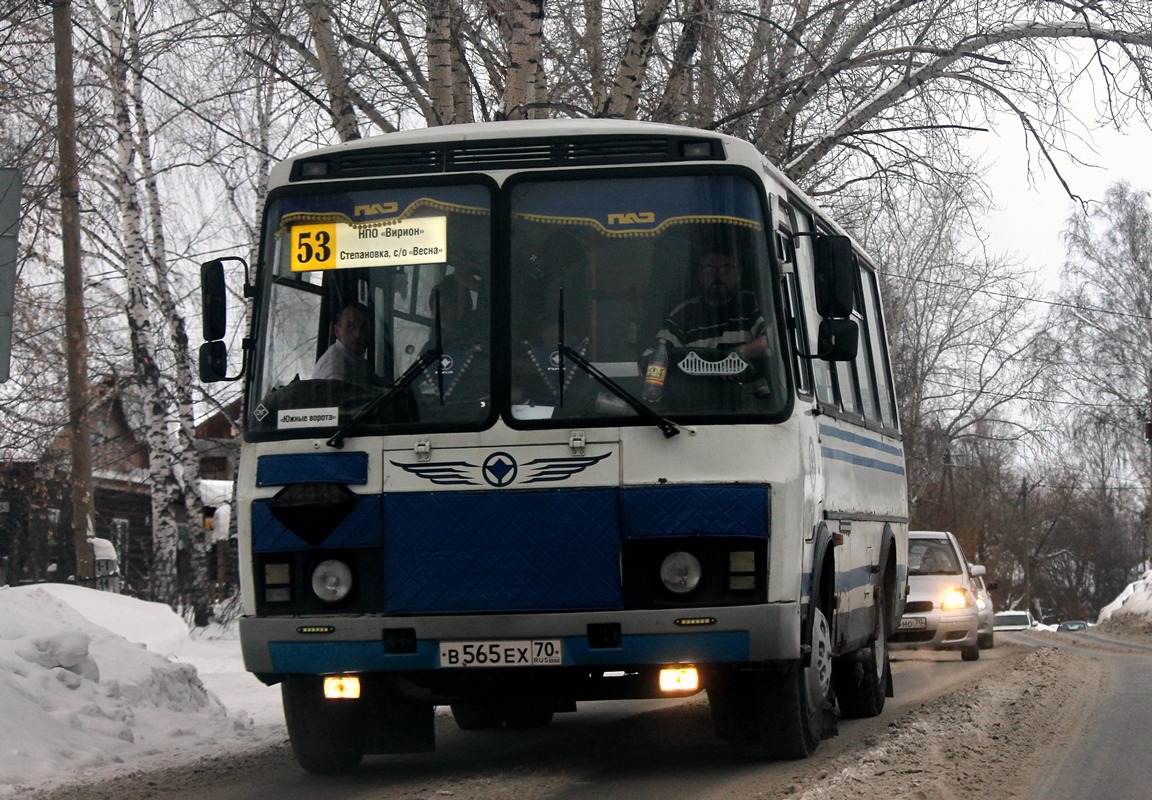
x: 941, y: 611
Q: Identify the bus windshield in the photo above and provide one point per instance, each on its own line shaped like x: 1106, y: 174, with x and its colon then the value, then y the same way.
x: 549, y: 313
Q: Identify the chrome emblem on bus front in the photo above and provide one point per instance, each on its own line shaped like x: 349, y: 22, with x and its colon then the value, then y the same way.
x: 500, y: 470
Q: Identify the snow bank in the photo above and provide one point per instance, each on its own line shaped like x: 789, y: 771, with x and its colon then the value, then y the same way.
x: 75, y: 695
x: 1135, y: 599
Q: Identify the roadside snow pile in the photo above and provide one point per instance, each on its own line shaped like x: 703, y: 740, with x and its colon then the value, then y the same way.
x: 1131, y: 611
x: 75, y: 695
x: 979, y: 740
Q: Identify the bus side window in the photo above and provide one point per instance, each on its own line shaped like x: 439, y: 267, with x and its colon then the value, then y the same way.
x: 794, y: 311
x: 878, y: 356
x: 861, y: 366
x: 864, y: 370
x: 853, y: 377
x: 805, y: 278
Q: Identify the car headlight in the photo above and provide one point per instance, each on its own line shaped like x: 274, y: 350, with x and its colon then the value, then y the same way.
x: 332, y: 580
x: 954, y: 599
x: 680, y: 572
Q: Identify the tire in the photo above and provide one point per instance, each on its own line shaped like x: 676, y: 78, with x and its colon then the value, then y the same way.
x: 862, y: 682
x: 791, y: 709
x: 328, y: 736
x: 476, y: 716
x: 970, y: 653
x: 987, y: 641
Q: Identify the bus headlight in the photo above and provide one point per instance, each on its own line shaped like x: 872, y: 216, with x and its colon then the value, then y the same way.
x: 332, y: 580
x: 680, y: 572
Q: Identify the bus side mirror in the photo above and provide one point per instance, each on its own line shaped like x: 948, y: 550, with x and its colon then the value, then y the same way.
x: 214, y: 307
x: 213, y: 362
x: 214, y: 300
x: 835, y: 276
x: 838, y: 340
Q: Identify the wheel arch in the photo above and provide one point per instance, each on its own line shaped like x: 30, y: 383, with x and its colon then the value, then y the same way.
x: 888, y: 571
x: 822, y: 593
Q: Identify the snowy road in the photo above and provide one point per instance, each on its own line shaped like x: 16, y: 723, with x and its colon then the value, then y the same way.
x: 1101, y: 757
x: 1042, y: 715
x: 634, y: 750
x: 96, y: 705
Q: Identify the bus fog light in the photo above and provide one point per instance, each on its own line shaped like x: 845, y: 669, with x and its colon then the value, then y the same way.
x: 680, y: 572
x: 332, y: 580
x: 679, y: 679
x: 341, y: 687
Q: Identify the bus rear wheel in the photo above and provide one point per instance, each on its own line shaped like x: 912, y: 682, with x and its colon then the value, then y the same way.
x: 328, y: 736
x: 862, y: 680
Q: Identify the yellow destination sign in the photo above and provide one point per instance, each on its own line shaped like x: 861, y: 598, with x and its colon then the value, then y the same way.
x: 340, y: 245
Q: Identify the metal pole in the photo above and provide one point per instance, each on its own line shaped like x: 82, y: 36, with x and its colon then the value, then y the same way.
x: 1144, y: 555
x: 76, y: 349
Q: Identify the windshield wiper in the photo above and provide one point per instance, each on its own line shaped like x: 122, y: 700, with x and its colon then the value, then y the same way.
x: 400, y: 384
x: 666, y: 426
x: 411, y: 374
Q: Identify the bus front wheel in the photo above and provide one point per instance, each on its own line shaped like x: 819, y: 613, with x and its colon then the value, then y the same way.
x: 791, y: 708
x: 328, y: 736
x: 780, y: 710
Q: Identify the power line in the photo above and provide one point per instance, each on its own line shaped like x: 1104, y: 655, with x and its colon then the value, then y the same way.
x: 140, y: 74
x: 1010, y: 296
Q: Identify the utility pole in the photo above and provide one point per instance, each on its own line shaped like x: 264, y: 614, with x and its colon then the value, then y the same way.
x: 1027, y: 543
x: 76, y: 344
x: 1145, y: 558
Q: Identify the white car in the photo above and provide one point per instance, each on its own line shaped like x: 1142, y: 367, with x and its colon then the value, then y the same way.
x: 941, y: 611
x: 1013, y: 621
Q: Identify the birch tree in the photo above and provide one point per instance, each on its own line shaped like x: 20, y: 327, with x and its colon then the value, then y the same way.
x: 524, y: 88
x: 120, y: 30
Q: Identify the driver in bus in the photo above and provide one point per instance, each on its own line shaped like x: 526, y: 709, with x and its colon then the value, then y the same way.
x: 345, y: 360
x: 722, y: 316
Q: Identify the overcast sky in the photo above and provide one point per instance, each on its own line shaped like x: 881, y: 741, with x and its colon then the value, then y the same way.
x: 1034, y: 208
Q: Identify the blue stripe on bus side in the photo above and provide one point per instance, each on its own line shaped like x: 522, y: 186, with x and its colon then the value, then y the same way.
x: 861, y: 461
x: 856, y: 438
x: 845, y: 581
x: 319, y: 658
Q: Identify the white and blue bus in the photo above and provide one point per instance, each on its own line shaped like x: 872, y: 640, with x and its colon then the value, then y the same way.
x: 571, y: 462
